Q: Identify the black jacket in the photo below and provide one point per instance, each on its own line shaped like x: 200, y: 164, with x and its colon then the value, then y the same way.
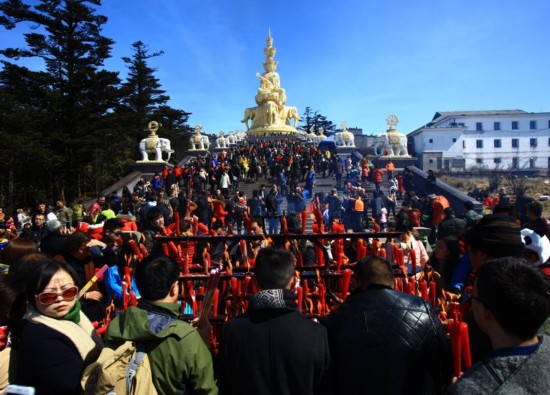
x: 48, y: 360
x: 387, y: 342
x: 272, y: 351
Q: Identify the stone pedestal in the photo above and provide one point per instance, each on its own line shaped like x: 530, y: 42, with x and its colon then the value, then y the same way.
x: 197, y: 152
x: 343, y: 150
x: 150, y: 166
x: 399, y: 162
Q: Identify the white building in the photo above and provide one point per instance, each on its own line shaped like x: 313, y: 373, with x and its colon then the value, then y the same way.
x: 483, y: 139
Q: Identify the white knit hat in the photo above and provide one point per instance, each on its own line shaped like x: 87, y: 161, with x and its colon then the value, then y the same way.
x: 534, y: 242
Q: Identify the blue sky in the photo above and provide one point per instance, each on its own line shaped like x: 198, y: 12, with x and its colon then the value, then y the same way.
x: 355, y: 61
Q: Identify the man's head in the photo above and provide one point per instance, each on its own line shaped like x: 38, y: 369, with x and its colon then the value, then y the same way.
x: 274, y: 268
x: 157, y: 278
x: 101, y: 199
x: 512, y: 294
x: 449, y: 212
x: 59, y: 203
x: 373, y: 270
x: 112, y: 230
x: 39, y: 220
x: 155, y: 217
x: 494, y: 236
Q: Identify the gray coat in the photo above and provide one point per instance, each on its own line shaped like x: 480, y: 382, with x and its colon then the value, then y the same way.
x: 516, y: 374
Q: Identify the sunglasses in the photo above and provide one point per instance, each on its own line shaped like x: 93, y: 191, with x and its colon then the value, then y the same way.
x: 47, y: 298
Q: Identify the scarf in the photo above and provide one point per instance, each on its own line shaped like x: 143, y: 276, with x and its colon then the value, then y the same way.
x: 273, y: 299
x: 74, y: 314
x: 81, y: 334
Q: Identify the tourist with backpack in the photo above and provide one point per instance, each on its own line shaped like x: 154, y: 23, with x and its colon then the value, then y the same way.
x: 177, y: 356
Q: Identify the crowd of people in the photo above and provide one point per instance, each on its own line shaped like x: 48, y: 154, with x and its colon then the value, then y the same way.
x: 379, y: 340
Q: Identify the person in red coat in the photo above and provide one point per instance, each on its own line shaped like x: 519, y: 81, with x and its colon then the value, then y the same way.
x: 400, y: 186
x: 377, y: 176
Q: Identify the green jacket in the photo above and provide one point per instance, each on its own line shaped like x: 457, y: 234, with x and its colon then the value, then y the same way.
x: 180, y: 361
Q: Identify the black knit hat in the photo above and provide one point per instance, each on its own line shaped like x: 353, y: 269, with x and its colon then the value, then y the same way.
x: 497, y: 236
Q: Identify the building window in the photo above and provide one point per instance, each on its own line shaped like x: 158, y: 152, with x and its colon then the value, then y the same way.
x: 549, y: 141
x: 515, y: 125
x: 515, y: 163
x: 497, y: 161
x: 431, y: 161
x: 532, y: 125
x: 464, y: 143
x: 533, y: 142
x: 548, y: 124
x: 532, y: 163
x: 498, y: 143
x: 431, y: 141
x: 479, y: 143
x: 515, y: 143
x: 454, y: 140
x: 497, y: 126
x: 479, y: 161
x: 479, y: 126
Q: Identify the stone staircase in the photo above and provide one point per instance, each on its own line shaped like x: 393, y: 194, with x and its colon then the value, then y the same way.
x: 322, y: 185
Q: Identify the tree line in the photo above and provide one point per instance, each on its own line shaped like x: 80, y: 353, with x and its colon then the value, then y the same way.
x: 72, y: 127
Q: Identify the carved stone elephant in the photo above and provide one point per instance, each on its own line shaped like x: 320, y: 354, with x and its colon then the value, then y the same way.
x: 249, y: 115
x: 222, y: 142
x: 291, y: 113
x: 382, y: 146
x: 162, y: 145
x: 199, y: 142
x: 271, y: 113
x: 344, y: 139
x: 399, y: 146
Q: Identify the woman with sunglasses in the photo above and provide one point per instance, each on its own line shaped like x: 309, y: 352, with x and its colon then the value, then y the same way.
x: 55, y: 340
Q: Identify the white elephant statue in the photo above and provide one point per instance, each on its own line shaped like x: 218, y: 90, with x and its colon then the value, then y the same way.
x: 382, y: 146
x: 400, y: 146
x: 161, y: 145
x: 222, y: 142
x: 199, y: 142
x: 240, y: 136
x: 344, y: 139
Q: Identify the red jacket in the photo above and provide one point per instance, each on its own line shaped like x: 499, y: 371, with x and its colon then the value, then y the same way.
x: 377, y: 174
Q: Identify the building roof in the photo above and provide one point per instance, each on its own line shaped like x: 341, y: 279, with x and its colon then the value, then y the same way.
x: 441, y: 115
x: 445, y: 114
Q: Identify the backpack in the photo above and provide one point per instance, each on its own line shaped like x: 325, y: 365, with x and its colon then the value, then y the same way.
x: 125, y: 370
x: 359, y: 205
